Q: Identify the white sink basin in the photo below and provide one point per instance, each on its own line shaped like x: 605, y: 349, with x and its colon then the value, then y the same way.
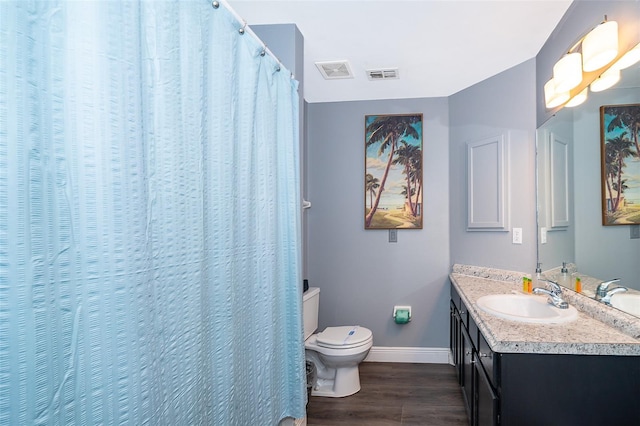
x: 629, y: 303
x: 525, y: 308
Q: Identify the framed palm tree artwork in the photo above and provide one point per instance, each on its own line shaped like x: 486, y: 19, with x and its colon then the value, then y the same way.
x: 393, y: 188
x: 620, y: 154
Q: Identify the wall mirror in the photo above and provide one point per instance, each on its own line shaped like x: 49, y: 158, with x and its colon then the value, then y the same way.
x: 569, y: 196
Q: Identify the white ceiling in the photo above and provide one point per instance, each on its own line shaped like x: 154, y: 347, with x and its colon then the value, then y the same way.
x: 439, y: 46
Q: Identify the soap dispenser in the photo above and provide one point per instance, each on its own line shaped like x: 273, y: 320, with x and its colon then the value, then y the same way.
x: 537, y: 276
x: 564, y: 276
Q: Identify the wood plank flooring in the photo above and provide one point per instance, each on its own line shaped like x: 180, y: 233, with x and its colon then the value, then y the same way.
x: 394, y: 394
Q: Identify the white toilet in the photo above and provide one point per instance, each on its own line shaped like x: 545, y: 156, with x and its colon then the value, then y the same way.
x: 335, y: 352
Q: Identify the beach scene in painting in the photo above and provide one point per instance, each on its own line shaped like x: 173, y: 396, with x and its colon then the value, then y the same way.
x: 620, y: 164
x: 393, y: 171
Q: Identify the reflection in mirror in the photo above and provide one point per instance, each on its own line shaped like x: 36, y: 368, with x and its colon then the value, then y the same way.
x: 569, y: 198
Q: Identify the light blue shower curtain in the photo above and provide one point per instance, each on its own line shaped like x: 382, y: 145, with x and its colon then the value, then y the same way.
x: 149, y: 218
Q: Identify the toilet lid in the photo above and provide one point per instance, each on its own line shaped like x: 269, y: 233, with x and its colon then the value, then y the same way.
x: 345, y: 336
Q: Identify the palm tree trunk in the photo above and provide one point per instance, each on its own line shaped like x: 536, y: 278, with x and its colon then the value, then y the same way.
x: 619, y: 185
x: 418, y: 192
x: 369, y: 217
x: 411, y: 208
x: 609, y: 182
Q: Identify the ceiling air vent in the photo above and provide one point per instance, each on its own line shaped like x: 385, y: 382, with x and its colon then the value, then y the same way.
x: 332, y: 70
x: 386, y: 74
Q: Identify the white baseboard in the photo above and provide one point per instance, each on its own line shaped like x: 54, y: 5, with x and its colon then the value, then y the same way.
x: 408, y: 354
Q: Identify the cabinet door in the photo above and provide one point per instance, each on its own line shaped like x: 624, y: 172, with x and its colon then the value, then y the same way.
x: 454, y: 340
x: 467, y: 373
x: 486, y: 403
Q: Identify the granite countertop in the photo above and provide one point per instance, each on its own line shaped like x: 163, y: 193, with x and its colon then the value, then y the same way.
x: 584, y: 336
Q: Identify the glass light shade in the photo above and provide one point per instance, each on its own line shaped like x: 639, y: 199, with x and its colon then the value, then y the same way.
x: 567, y: 72
x: 606, y: 80
x: 600, y: 46
x: 628, y: 59
x: 579, y: 98
x: 553, y: 98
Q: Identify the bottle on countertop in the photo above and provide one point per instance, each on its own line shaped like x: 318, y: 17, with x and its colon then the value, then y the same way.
x: 565, y: 279
x: 578, y: 286
x: 537, y: 275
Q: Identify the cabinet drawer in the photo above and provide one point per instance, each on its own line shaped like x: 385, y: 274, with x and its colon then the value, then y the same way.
x: 464, y: 314
x: 487, y: 359
x: 473, y: 332
x: 455, y: 297
x: 460, y: 306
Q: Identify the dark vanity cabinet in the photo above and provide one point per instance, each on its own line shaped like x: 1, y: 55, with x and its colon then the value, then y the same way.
x: 473, y: 360
x: 521, y: 389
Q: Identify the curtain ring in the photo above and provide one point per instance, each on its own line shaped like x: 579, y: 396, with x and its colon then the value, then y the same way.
x: 215, y: 4
x: 263, y: 52
x: 241, y: 30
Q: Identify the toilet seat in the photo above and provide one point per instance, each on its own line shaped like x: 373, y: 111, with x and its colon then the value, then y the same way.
x: 344, y: 337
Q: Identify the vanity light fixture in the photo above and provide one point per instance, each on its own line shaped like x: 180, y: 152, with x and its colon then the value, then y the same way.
x: 578, y: 99
x: 629, y: 58
x: 567, y: 72
x: 605, y: 80
x: 552, y: 96
x: 596, y: 50
x: 600, y: 46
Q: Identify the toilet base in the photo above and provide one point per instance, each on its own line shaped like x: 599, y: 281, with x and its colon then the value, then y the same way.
x: 345, y: 382
x: 337, y: 369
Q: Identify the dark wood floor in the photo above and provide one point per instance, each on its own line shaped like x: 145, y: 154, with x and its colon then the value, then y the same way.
x: 395, y: 394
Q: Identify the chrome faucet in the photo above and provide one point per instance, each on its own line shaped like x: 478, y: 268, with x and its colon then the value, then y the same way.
x: 555, y: 287
x: 606, y: 299
x: 603, y: 294
x: 554, y: 294
x: 602, y: 288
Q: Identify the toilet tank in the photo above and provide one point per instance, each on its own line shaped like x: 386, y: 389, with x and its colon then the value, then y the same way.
x: 310, y: 304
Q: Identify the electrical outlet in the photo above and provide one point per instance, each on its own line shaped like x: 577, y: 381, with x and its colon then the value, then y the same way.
x: 393, y: 235
x: 635, y: 231
x: 517, y: 235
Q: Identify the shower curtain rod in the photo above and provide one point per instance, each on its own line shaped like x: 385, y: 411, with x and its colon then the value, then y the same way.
x: 246, y: 28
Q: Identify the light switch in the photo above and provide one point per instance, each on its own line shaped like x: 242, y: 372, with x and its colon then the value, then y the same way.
x: 517, y: 235
x: 543, y: 235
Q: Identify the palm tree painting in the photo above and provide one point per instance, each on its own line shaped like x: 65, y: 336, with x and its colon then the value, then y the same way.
x: 620, y: 131
x: 393, y: 171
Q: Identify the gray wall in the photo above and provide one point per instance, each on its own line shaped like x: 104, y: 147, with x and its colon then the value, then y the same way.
x: 503, y: 104
x: 360, y: 274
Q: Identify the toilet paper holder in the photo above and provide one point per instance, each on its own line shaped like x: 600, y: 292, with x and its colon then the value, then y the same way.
x: 402, y: 314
